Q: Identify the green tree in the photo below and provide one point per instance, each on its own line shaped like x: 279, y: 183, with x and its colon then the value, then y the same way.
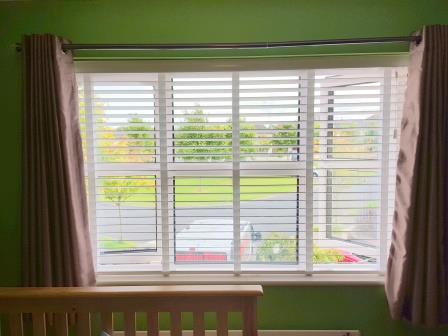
x: 247, y: 139
x: 200, y: 140
x: 117, y: 191
x: 132, y: 142
x: 286, y: 136
x: 137, y: 132
x: 120, y: 189
x: 346, y: 135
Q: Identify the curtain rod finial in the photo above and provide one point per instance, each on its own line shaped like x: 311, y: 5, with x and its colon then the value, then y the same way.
x: 418, y: 39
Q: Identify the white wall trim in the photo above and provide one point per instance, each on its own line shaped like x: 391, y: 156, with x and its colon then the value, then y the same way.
x: 135, y: 279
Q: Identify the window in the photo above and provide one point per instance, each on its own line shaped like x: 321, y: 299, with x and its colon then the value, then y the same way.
x: 288, y: 170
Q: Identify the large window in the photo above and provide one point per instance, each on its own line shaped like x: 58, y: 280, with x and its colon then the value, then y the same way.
x: 247, y: 171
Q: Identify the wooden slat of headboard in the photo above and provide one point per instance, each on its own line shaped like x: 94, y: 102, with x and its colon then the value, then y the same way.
x: 107, y: 322
x: 198, y: 323
x: 250, y: 318
x: 176, y: 323
x: 61, y: 324
x: 83, y: 324
x: 39, y: 326
x: 15, y: 324
x: 129, y: 323
x: 153, y: 324
x: 222, y: 325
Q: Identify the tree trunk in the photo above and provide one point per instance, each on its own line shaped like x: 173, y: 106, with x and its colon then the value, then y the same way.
x: 119, y: 221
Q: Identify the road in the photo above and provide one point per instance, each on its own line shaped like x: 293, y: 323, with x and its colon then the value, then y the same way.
x: 274, y: 214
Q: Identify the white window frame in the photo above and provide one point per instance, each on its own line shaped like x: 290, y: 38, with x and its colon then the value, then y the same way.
x: 278, y: 275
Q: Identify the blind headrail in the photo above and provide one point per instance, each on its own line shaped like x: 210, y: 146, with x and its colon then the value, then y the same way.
x: 248, y: 45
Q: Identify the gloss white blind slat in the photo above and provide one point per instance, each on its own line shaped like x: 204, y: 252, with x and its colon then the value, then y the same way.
x: 288, y: 170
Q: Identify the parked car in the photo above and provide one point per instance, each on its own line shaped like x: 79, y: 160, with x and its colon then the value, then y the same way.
x: 211, y: 240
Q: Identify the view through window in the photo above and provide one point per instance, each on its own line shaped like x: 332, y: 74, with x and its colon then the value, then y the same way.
x: 287, y: 170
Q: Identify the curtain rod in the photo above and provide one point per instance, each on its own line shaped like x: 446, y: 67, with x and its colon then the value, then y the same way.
x: 250, y: 45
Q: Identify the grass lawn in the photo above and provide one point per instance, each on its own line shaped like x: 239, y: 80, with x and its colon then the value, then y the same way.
x: 212, y: 190
x: 189, y: 191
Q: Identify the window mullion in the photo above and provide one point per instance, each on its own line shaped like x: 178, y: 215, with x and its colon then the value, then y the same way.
x: 236, y: 173
x: 309, y: 203
x: 164, y: 201
x: 387, y: 87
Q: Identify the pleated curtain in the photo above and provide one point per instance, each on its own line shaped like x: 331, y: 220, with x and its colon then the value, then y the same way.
x: 417, y: 273
x: 56, y: 248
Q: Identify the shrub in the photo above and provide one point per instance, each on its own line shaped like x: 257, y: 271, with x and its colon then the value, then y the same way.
x: 279, y: 247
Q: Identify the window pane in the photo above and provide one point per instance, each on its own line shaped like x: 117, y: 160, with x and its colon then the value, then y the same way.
x: 269, y: 220
x: 347, y: 229
x: 201, y: 117
x: 118, y: 122
x: 126, y: 216
x: 349, y: 118
x: 203, y: 222
x: 269, y: 116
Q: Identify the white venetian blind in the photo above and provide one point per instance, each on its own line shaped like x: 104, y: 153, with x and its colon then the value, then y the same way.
x: 272, y: 184
x: 199, y: 120
x: 119, y: 122
x: 279, y: 170
x: 357, y: 115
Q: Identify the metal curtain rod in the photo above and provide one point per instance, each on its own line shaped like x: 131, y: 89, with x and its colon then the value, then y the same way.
x: 250, y: 45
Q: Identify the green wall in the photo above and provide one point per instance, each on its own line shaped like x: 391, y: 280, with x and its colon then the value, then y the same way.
x: 128, y: 21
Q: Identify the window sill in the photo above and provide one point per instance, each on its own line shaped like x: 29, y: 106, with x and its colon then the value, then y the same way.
x: 127, y: 279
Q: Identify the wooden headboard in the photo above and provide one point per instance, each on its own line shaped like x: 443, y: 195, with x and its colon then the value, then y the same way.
x: 61, y: 304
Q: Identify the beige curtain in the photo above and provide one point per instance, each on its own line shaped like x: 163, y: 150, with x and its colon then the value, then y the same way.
x: 56, y: 242
x: 416, y: 284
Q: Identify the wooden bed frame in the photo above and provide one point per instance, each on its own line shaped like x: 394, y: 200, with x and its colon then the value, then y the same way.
x: 37, y: 306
